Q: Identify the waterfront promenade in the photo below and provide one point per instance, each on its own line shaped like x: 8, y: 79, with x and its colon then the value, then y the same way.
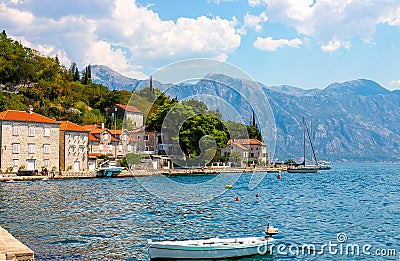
x: 12, y: 249
x: 141, y: 173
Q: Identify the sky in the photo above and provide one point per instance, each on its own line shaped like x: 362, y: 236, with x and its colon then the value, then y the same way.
x: 302, y: 43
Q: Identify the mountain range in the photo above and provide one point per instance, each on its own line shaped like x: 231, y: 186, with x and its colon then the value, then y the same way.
x: 350, y: 121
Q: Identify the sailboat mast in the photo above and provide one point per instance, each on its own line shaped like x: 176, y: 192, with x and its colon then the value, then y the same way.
x: 312, y: 147
x: 304, y: 142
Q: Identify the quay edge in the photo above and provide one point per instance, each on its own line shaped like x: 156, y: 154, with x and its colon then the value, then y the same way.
x: 13, y: 249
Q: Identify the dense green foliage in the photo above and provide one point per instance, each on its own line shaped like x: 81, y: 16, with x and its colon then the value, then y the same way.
x: 26, y: 78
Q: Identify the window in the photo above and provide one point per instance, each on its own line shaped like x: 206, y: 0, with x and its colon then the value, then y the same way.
x: 31, y: 131
x: 16, y: 148
x: 129, y: 148
x: 82, y: 136
x: 146, y: 148
x: 105, y: 137
x: 47, y: 132
x: 71, y: 148
x: 110, y: 148
x: 46, y: 148
x: 251, y: 155
x: 15, y: 130
x: 124, y: 137
x: 146, y: 137
x: 81, y: 148
x: 31, y: 148
x: 119, y: 147
x: 138, y: 137
x: 71, y: 136
x: 101, y: 147
x: 16, y: 163
x: 46, y: 162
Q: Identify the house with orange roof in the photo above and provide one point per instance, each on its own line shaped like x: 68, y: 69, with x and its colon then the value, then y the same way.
x: 251, y: 150
x: 28, y: 141
x: 113, y: 143
x: 74, y: 141
x: 130, y: 114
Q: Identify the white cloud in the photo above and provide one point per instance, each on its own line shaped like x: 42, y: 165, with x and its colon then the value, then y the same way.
x: 335, y: 20
x: 269, y: 44
x: 255, y: 22
x: 254, y: 3
x: 394, y: 85
x: 393, y: 18
x: 125, y: 36
x: 335, y: 45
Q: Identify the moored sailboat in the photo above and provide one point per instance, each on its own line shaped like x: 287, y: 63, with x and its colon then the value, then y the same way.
x: 303, y: 168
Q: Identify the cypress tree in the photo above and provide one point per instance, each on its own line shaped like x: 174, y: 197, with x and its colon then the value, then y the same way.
x: 76, y: 75
x: 89, y: 72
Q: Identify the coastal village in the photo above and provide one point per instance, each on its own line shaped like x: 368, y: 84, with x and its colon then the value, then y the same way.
x: 31, y: 142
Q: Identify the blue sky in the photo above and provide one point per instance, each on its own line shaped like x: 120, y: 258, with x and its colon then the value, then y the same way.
x: 303, y: 43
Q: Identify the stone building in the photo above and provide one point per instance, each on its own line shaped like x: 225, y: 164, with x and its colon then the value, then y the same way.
x: 232, y: 146
x: 73, y: 147
x: 257, y: 150
x: 113, y: 143
x: 28, y: 141
x: 128, y: 113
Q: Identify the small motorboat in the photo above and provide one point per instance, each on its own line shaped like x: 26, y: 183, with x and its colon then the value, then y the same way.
x: 213, y: 248
x: 109, y: 172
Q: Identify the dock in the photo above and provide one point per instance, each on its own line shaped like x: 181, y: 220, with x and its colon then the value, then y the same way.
x: 12, y: 249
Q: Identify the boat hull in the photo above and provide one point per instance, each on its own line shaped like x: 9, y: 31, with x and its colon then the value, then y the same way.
x: 214, y: 249
x: 109, y: 172
x: 303, y: 170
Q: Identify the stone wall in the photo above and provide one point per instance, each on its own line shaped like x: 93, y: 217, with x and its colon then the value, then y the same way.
x: 74, y: 174
x: 23, y: 139
x: 75, y: 149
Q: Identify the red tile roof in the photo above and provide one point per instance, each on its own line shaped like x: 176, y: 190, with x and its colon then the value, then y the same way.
x: 129, y: 108
x: 248, y: 142
x: 237, y: 144
x: 12, y: 115
x: 70, y: 126
x: 91, y: 127
x: 92, y: 137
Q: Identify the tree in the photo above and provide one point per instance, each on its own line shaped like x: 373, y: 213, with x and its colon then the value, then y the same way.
x: 131, y: 159
x: 235, y: 157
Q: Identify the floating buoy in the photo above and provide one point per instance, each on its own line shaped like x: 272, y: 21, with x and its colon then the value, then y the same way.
x: 257, y: 195
x: 279, y: 175
x: 237, y: 198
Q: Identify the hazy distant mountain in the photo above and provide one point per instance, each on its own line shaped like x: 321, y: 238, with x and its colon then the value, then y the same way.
x: 104, y: 75
x: 354, y: 120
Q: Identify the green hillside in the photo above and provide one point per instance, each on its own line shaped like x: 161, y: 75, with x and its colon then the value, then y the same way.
x: 26, y: 77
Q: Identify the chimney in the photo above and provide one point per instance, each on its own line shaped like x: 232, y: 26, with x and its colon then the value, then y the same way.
x: 102, y: 125
x: 30, y: 109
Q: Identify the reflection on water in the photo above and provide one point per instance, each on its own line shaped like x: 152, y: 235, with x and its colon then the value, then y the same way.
x: 113, y: 218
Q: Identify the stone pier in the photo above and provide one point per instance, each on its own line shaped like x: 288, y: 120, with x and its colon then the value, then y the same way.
x: 12, y: 249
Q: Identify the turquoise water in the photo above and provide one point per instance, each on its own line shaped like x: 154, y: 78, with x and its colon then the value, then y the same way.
x: 111, y: 219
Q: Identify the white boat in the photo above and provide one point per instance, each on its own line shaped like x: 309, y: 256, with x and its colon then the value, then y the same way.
x: 304, y: 169
x: 109, y: 172
x: 213, y: 248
